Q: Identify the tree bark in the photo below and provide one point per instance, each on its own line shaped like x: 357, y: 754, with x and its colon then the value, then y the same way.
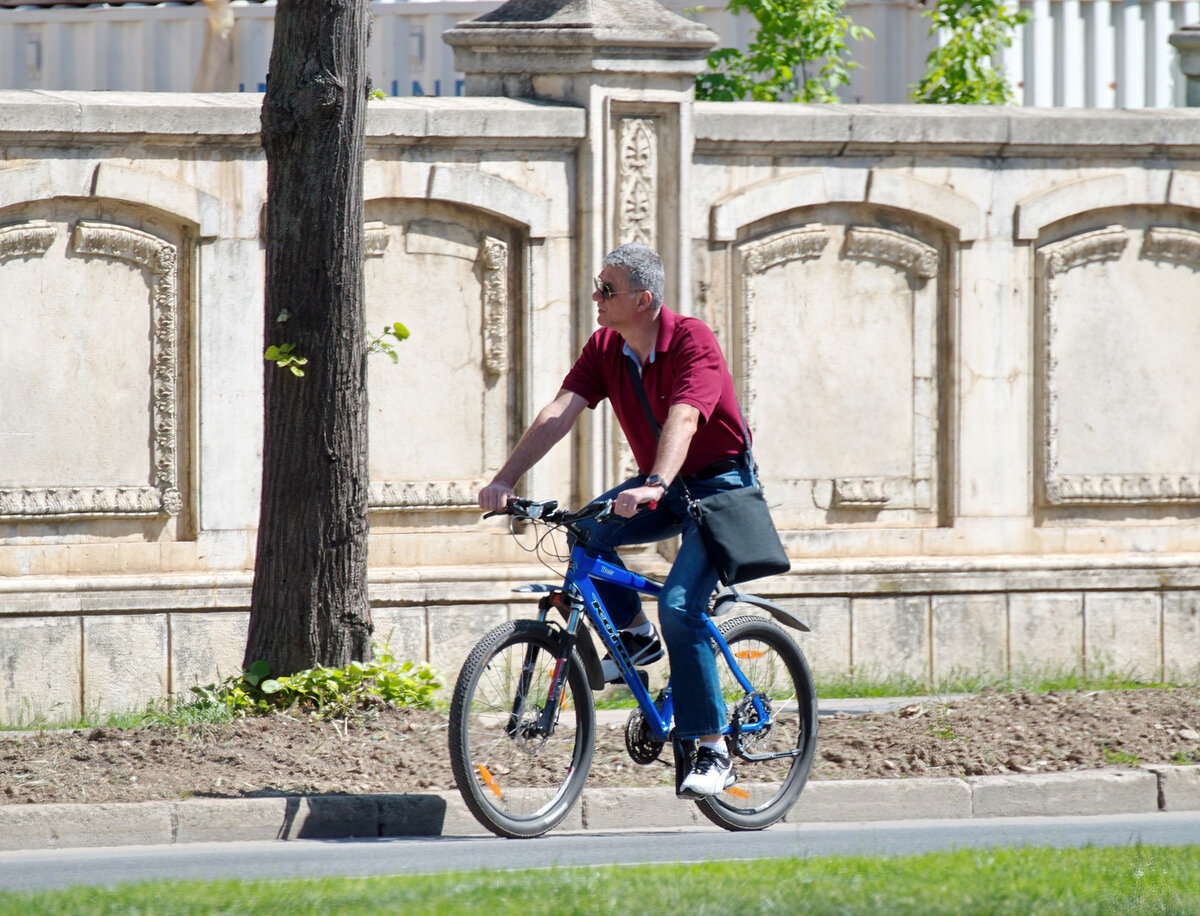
x: 309, y: 602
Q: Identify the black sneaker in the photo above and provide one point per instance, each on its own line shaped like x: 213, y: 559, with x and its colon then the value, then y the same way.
x: 642, y: 650
x: 712, y: 773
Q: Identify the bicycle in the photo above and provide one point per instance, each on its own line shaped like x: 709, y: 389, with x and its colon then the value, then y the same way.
x: 522, y: 718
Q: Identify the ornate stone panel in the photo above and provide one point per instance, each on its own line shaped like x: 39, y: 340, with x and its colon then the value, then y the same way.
x: 837, y: 331
x: 637, y: 181
x: 26, y: 240
x: 157, y: 258
x: 1119, y: 376
x: 442, y: 412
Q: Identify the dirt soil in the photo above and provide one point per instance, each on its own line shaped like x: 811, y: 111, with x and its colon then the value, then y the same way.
x: 404, y: 751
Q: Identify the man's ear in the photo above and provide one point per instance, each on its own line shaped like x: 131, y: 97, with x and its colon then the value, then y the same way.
x: 645, y: 301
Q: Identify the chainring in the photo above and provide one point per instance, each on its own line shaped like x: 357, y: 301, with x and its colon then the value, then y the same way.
x: 642, y: 748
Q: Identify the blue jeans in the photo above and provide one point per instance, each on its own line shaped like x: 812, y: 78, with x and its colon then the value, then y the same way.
x: 695, y: 684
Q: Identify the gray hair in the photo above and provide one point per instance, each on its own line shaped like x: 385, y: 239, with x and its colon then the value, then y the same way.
x: 644, y: 267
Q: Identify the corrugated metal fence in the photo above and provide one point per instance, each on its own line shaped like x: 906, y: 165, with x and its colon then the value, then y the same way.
x: 1094, y: 53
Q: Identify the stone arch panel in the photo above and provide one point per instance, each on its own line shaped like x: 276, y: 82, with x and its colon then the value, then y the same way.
x: 1118, y: 323
x: 441, y: 416
x: 836, y: 336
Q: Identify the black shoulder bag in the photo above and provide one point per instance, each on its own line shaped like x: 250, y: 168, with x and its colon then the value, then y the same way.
x: 735, y: 525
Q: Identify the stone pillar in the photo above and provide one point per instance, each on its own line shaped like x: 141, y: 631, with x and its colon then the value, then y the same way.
x: 1187, y: 42
x: 631, y: 64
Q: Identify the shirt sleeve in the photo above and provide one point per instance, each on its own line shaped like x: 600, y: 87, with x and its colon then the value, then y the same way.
x: 699, y: 368
x: 586, y: 377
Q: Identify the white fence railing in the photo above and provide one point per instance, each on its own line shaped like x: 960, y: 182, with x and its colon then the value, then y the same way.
x: 1093, y: 53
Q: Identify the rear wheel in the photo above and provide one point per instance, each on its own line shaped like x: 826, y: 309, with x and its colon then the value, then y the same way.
x: 519, y: 769
x: 777, y: 671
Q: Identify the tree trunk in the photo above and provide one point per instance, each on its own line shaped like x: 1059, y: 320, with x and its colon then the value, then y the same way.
x: 309, y: 603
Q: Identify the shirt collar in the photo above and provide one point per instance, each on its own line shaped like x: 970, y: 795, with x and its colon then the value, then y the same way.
x: 666, y: 332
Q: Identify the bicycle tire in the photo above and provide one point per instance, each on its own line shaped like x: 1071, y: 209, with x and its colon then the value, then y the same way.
x: 774, y: 664
x: 516, y: 782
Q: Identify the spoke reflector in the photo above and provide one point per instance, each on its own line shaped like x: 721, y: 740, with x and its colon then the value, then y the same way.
x: 749, y: 653
x: 489, y: 780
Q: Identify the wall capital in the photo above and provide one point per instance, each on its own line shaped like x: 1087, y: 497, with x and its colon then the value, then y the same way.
x: 555, y: 49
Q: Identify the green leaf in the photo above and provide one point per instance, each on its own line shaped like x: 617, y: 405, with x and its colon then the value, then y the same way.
x: 256, y: 672
x: 400, y: 331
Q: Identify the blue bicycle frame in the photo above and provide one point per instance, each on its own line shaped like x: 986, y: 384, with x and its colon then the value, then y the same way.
x: 582, y: 573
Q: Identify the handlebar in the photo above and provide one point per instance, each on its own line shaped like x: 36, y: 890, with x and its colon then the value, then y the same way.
x: 547, y: 511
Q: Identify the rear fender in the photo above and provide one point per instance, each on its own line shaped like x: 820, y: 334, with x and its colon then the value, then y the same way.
x: 726, y: 598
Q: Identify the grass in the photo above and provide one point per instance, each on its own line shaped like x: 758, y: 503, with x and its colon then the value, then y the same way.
x: 1126, y: 880
x: 163, y: 713
x: 1034, y: 681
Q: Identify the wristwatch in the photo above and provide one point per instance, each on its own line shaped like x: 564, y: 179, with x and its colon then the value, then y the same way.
x: 655, y: 481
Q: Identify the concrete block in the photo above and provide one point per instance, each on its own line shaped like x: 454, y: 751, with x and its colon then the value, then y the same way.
x: 1178, y: 787
x: 637, y: 809
x: 1045, y: 631
x: 61, y: 826
x: 1084, y: 792
x: 827, y: 646
x: 40, y: 669
x: 124, y: 661
x: 1181, y: 635
x: 970, y: 634
x: 323, y: 816
x: 214, y: 820
x: 403, y: 630
x: 881, y: 799
x: 453, y: 633
x: 890, y: 635
x: 206, y: 647
x: 414, y: 815
x: 1121, y: 632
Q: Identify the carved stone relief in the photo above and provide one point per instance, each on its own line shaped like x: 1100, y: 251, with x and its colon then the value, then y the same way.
x: 1168, y: 244
x: 1066, y: 353
x: 889, y: 247
x: 911, y: 485
x: 493, y: 260
x: 637, y: 181
x: 32, y: 239
x: 637, y: 220
x: 159, y: 259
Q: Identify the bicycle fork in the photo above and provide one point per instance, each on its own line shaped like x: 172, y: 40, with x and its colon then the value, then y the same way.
x: 548, y: 717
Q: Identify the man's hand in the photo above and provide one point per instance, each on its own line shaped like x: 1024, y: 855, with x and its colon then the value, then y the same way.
x: 627, y: 501
x: 495, y: 496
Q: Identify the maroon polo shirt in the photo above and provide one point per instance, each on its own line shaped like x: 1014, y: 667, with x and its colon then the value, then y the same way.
x: 687, y: 367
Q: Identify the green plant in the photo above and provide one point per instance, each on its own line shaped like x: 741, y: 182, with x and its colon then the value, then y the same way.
x: 961, y: 70
x: 799, y: 53
x: 1117, y: 756
x: 285, y: 357
x: 338, y: 692
x: 379, y: 343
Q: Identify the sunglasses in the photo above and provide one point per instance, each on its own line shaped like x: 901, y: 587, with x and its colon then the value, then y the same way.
x: 606, y: 291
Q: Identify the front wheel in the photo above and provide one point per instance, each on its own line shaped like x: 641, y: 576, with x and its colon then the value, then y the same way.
x: 519, y: 767
x: 777, y: 671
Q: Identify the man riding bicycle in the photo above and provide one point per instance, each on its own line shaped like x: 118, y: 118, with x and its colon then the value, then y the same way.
x: 690, y: 392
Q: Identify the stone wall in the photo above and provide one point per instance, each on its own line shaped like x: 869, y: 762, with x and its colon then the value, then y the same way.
x: 964, y: 339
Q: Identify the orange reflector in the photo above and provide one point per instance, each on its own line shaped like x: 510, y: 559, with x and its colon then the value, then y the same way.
x: 489, y: 780
x: 737, y: 792
x: 749, y: 653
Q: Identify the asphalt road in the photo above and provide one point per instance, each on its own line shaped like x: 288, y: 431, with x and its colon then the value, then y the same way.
x: 35, y: 869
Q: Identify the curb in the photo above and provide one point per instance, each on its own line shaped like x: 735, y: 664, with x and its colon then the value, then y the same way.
x: 1090, y: 792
